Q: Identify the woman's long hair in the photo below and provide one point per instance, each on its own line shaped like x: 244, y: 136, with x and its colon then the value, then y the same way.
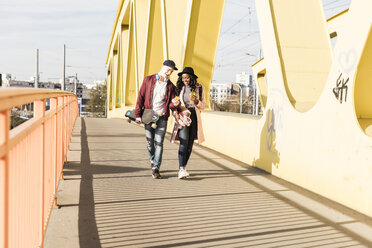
x: 180, y: 84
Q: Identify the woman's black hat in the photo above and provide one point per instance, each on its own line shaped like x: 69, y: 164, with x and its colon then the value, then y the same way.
x: 189, y: 71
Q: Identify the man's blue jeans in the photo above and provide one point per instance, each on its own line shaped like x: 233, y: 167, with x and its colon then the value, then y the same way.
x: 154, y: 141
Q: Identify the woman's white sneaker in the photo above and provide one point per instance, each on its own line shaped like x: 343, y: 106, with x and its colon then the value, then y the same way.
x: 183, y: 173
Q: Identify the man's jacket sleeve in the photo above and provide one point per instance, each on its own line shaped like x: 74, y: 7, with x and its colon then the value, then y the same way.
x: 172, y: 95
x: 141, y: 100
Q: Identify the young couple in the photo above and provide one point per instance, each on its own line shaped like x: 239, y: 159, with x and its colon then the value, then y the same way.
x: 158, y: 93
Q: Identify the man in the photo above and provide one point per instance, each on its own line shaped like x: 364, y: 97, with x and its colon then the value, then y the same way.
x: 156, y: 93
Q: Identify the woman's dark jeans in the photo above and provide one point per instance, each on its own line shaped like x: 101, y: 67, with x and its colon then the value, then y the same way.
x: 187, y: 136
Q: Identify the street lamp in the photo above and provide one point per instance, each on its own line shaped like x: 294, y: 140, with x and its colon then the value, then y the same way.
x: 256, y: 88
x: 241, y: 96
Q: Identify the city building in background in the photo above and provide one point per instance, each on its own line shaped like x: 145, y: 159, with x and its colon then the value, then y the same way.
x: 219, y: 92
x: 5, y: 79
x: 239, y: 96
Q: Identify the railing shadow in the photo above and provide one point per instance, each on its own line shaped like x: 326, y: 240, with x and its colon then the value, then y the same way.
x: 88, y: 233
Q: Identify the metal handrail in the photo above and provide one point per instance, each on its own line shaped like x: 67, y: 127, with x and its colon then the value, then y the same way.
x: 31, y: 162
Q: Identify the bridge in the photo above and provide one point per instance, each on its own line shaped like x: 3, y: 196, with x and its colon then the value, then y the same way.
x: 300, y: 175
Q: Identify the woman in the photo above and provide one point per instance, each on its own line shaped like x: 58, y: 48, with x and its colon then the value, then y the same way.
x: 192, y: 96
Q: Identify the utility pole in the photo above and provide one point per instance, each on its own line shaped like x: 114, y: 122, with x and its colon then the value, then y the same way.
x: 37, y: 69
x: 64, y: 68
x: 241, y: 98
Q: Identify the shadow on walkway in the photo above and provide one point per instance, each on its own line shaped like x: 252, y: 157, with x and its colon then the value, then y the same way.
x: 88, y: 233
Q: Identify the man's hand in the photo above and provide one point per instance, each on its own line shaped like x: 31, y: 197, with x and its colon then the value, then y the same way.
x: 138, y: 120
x: 176, y: 116
x: 175, y: 102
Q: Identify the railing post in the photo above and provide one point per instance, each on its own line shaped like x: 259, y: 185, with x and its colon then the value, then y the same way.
x: 4, y: 178
x: 62, y: 98
x: 65, y: 129
x: 69, y: 121
x: 39, y: 113
x: 54, y: 107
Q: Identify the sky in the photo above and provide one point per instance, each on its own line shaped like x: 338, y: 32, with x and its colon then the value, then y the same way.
x: 239, y: 44
x: 85, y: 27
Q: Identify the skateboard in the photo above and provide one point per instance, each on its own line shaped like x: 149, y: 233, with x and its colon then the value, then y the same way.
x: 148, y: 116
x: 176, y: 127
x: 184, y: 120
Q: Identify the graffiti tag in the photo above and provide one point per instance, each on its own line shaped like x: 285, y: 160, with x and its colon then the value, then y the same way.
x: 270, y: 129
x: 341, y: 88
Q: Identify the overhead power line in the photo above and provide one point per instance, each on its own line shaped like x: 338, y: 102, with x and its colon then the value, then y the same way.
x: 234, y: 24
x: 239, y: 4
x: 242, y: 38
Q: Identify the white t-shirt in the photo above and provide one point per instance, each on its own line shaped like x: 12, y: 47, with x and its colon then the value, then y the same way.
x: 158, y: 98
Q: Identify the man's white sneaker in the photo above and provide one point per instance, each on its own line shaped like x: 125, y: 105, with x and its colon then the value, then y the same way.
x: 183, y: 174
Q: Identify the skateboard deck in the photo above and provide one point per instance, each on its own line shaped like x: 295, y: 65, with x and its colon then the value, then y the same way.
x: 148, y: 116
x: 176, y: 127
x: 184, y: 121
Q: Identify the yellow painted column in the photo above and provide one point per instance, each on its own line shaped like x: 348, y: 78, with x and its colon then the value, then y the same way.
x: 202, y: 38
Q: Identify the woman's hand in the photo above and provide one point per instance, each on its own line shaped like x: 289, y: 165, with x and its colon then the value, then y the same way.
x: 195, y: 99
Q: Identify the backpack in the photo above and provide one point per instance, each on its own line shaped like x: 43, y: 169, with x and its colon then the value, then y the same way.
x: 200, y: 92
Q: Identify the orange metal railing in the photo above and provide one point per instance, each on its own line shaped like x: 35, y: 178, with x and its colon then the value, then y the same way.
x: 31, y: 161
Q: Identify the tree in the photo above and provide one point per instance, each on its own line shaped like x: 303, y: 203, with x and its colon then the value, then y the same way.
x: 97, y: 101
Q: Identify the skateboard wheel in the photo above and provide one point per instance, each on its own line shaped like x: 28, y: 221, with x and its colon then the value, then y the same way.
x: 129, y: 121
x: 153, y: 125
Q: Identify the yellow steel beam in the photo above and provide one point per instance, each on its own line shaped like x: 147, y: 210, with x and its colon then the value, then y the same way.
x: 141, y: 22
x: 154, y: 41
x: 202, y: 36
x: 259, y: 74
x: 151, y: 31
x: 130, y: 84
x: 116, y: 22
x: 124, y: 48
x: 363, y: 86
x: 305, y: 52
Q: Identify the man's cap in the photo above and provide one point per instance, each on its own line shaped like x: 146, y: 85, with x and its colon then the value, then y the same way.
x: 170, y: 63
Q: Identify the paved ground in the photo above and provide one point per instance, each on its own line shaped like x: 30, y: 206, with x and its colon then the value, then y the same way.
x: 109, y: 199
